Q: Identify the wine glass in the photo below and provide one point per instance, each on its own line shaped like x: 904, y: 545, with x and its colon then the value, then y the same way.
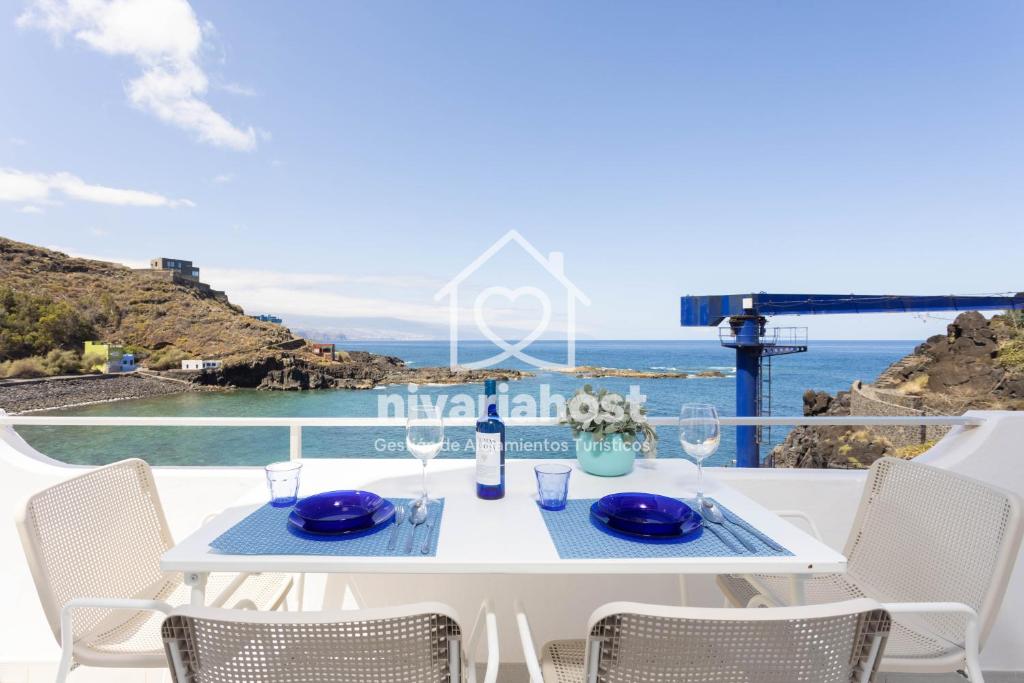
x: 424, y: 436
x: 700, y: 432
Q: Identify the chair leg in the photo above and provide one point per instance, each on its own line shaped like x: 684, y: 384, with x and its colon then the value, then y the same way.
x: 66, y: 664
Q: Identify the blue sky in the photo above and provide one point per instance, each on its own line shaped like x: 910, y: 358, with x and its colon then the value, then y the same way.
x: 345, y: 159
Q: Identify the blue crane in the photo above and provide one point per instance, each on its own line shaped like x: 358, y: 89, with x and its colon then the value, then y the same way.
x: 754, y: 342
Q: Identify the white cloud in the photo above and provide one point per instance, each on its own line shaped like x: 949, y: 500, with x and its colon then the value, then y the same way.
x: 224, y: 178
x: 99, y: 232
x: 18, y: 142
x: 164, y: 37
x: 37, y: 188
x: 30, y: 208
x: 239, y: 89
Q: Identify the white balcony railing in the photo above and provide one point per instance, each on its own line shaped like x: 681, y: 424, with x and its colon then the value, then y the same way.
x: 295, y: 425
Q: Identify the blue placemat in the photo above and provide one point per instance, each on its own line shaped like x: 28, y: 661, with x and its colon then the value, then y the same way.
x: 577, y: 538
x: 267, y: 532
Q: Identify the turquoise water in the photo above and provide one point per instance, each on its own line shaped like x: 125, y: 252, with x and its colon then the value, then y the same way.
x: 829, y: 366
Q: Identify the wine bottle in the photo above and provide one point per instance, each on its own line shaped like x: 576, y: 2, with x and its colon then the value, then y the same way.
x: 490, y: 447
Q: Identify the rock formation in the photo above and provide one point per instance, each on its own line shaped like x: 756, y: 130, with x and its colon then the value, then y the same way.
x: 977, y: 364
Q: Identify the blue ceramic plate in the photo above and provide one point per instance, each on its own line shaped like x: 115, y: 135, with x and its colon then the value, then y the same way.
x: 645, y: 513
x: 336, y: 511
x: 684, y: 529
x: 380, y: 517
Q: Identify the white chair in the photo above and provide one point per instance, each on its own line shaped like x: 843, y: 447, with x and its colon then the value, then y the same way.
x: 419, y: 643
x: 93, y: 544
x: 935, y: 547
x: 630, y: 642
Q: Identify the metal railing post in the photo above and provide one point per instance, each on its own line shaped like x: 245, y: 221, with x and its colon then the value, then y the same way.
x: 295, y: 442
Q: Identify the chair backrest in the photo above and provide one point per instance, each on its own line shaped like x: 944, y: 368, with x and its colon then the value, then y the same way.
x: 833, y: 643
x: 925, y: 534
x: 97, y: 535
x: 409, y: 644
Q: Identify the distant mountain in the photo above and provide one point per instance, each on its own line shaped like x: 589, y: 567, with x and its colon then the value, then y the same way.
x: 329, y: 329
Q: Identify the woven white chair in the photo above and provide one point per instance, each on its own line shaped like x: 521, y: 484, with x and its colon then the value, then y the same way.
x: 940, y: 543
x: 93, y: 544
x: 419, y: 643
x: 632, y: 643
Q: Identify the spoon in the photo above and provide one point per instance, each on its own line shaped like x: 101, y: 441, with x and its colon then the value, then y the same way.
x: 416, y: 517
x: 400, y: 513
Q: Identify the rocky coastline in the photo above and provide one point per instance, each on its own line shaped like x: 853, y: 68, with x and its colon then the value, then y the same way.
x: 594, y: 372
x: 25, y: 396
x: 977, y: 365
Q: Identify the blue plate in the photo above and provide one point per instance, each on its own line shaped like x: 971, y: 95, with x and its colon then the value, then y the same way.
x: 380, y: 517
x: 688, y: 530
x: 337, y: 511
x: 645, y: 513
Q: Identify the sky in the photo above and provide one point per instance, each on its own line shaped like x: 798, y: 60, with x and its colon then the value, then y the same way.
x: 338, y: 163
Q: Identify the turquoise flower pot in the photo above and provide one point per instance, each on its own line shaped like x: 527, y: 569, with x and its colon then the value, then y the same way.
x: 611, y: 457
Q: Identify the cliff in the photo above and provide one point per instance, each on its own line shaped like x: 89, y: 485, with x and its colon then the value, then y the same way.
x: 977, y: 365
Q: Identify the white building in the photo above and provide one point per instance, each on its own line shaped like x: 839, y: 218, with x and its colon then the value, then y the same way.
x: 198, y: 364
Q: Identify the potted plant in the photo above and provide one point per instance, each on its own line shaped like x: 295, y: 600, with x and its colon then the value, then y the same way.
x: 605, y: 427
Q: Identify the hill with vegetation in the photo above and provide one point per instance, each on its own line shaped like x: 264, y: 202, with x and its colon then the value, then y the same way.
x: 51, y: 302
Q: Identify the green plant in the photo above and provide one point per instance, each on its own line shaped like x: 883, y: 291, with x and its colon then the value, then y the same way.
x: 1011, y: 355
x: 166, y: 358
x: 23, y: 368
x: 90, y: 362
x: 35, y: 325
x: 59, y: 362
x: 604, y: 413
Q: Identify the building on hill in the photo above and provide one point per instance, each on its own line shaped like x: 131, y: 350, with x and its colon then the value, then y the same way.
x: 199, y: 364
x: 183, y: 268
x: 267, y: 318
x: 323, y: 350
x: 111, y: 357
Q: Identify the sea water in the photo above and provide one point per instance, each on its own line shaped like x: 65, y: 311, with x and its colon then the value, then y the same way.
x: 828, y: 365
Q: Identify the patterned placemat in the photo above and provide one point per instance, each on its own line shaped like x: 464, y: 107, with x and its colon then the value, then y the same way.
x: 267, y: 532
x: 578, y: 538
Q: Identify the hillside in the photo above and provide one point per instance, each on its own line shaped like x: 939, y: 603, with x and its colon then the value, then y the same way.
x: 51, y: 302
x: 141, y: 309
x: 977, y: 365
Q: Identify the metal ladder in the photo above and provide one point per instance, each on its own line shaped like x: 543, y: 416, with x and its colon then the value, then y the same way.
x: 764, y: 404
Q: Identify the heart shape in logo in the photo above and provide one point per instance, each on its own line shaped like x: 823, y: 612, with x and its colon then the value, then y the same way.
x: 515, y: 348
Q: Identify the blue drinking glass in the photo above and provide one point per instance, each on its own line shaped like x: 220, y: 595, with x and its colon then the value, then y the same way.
x: 283, y: 482
x: 552, y: 485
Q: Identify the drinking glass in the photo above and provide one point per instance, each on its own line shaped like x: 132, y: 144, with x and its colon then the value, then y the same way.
x: 552, y: 485
x: 700, y: 432
x: 283, y: 482
x: 424, y: 436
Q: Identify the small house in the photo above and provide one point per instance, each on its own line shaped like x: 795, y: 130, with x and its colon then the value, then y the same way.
x: 109, y: 357
x: 178, y: 266
x: 199, y: 364
x: 323, y: 350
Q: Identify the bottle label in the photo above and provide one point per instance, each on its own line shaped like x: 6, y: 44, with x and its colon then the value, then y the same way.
x: 488, y: 459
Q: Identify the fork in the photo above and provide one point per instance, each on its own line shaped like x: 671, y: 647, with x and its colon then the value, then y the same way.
x: 400, y: 512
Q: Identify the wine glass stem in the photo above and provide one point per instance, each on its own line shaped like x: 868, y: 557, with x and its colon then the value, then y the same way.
x: 700, y: 481
x: 424, y: 480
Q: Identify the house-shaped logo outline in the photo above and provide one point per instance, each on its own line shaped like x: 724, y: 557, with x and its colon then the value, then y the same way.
x: 554, y: 264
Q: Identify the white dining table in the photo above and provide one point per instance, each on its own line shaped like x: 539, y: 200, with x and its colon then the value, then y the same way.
x: 507, y: 536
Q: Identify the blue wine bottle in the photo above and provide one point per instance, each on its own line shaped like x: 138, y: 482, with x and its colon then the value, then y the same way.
x: 490, y: 448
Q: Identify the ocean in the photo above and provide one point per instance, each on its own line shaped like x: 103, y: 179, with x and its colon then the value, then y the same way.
x: 828, y: 365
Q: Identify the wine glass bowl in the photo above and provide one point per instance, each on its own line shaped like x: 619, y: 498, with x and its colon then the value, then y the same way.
x: 424, y: 437
x: 700, y: 433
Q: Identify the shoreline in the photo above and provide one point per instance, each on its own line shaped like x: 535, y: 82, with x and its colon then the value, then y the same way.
x: 57, y: 393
